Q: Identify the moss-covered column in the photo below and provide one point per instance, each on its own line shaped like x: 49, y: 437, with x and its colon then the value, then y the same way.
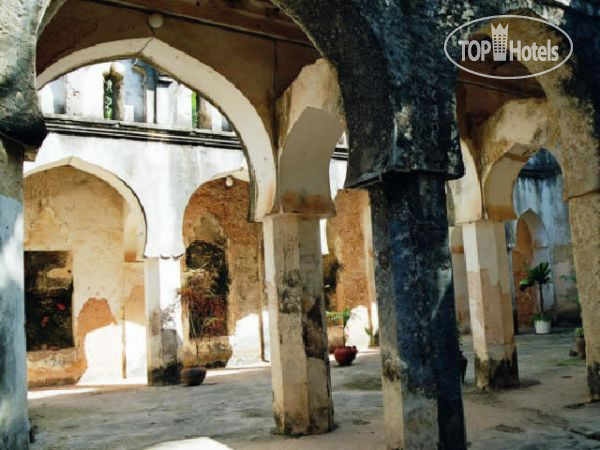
x: 490, y: 304
x: 422, y: 395
x: 584, y: 213
x: 302, y: 401
x: 163, y: 313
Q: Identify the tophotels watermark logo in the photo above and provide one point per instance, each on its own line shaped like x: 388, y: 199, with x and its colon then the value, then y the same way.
x: 499, y: 39
x: 548, y: 53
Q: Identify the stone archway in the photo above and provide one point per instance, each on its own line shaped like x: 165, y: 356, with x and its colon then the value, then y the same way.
x: 202, y: 78
x: 135, y: 235
x: 107, y: 291
x: 214, y: 221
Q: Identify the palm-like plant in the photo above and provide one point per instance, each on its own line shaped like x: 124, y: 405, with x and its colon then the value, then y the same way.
x: 539, y: 275
x: 343, y: 316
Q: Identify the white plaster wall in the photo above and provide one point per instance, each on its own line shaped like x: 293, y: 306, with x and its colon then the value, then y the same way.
x: 544, y: 196
x: 134, y: 322
x: 355, y: 329
x: 245, y: 341
x: 162, y: 175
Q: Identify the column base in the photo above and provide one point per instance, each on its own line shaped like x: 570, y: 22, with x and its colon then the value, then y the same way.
x: 295, y: 428
x: 497, y: 374
x: 165, y: 376
x: 593, y: 378
x: 15, y: 440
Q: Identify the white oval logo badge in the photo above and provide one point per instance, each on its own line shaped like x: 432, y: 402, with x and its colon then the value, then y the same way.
x: 544, y: 53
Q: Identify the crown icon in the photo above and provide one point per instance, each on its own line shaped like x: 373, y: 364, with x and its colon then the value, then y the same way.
x: 499, y: 41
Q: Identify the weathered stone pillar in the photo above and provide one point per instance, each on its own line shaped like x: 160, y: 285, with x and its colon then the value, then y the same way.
x: 14, y: 425
x: 22, y: 131
x: 422, y: 395
x: 490, y: 304
x: 302, y: 401
x: 584, y: 214
x: 459, y: 278
x: 163, y: 312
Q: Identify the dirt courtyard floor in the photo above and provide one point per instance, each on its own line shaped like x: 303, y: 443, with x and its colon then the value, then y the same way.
x: 232, y: 409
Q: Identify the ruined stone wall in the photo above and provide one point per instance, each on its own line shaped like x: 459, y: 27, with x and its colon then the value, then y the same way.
x: 349, y: 240
x: 69, y: 210
x: 217, y: 214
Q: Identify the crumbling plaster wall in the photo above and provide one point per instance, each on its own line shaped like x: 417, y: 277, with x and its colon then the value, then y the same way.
x: 217, y: 213
x: 149, y: 169
x: 349, y: 239
x: 69, y: 210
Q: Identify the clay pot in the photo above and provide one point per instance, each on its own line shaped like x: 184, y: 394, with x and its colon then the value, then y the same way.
x: 580, y: 346
x: 542, y: 326
x: 193, y: 376
x: 345, y: 355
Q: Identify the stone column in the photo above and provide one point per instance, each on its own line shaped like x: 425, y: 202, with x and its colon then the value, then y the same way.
x: 490, y: 304
x: 302, y: 401
x: 163, y: 312
x: 584, y: 214
x: 421, y: 386
x: 459, y: 278
x: 14, y: 425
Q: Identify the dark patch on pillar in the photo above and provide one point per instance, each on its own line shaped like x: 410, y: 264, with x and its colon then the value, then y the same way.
x: 593, y: 378
x: 501, y: 374
x: 165, y: 376
x: 318, y: 416
x: 313, y: 331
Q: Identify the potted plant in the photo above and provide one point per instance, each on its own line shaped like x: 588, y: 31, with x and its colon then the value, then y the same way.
x: 540, y: 276
x: 344, y: 355
x: 580, y: 342
x: 373, y: 337
x: 205, y: 306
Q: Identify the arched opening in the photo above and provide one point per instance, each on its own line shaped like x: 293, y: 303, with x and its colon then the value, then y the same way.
x: 224, y: 260
x: 542, y: 234
x: 201, y: 78
x: 530, y: 249
x: 84, y: 294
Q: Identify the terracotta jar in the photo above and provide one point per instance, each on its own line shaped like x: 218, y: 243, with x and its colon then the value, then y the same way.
x: 193, y: 376
x: 345, y: 355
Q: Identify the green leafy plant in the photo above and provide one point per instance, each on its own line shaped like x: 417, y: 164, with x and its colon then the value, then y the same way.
x: 579, y: 332
x: 341, y: 316
x: 373, y: 336
x: 540, y: 276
